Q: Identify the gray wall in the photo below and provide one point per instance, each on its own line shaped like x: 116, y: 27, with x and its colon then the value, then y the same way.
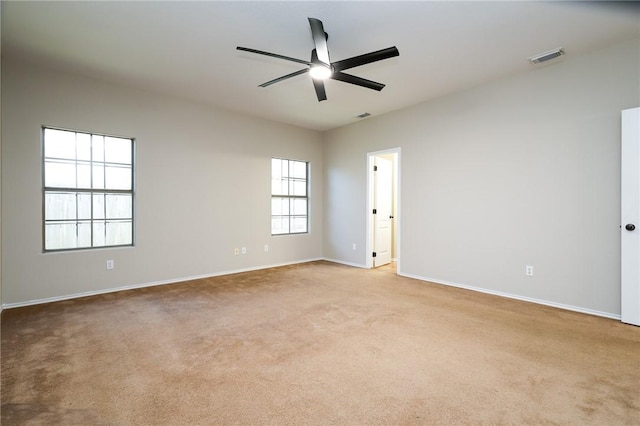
x: 522, y: 171
x: 202, y: 180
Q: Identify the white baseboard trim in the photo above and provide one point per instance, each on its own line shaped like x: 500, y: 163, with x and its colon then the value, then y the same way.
x: 356, y: 265
x: 342, y: 262
x: 149, y: 284
x: 517, y: 297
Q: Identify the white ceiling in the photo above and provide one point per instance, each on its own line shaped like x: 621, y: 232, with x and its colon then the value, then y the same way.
x: 188, y: 49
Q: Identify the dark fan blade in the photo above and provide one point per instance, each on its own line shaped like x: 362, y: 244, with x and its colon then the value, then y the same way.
x: 284, y: 77
x: 274, y: 55
x: 358, y: 81
x: 320, y: 40
x: 367, y: 58
x: 320, y: 92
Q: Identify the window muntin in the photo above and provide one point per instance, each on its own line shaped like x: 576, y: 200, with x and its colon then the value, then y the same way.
x: 289, y: 196
x: 88, y: 190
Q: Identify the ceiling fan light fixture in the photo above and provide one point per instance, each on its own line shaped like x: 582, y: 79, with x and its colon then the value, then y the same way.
x: 320, y: 72
x: 321, y: 68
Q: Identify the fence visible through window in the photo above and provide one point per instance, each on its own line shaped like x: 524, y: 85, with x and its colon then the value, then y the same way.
x: 289, y: 196
x: 88, y: 196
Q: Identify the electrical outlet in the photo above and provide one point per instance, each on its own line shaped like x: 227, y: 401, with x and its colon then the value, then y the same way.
x: 110, y: 264
x: 528, y: 271
x: 244, y: 250
x: 354, y: 246
x: 236, y: 251
x: 266, y: 247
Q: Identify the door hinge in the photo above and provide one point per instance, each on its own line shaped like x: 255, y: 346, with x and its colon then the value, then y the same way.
x: 374, y: 254
x: 375, y: 211
x: 375, y: 168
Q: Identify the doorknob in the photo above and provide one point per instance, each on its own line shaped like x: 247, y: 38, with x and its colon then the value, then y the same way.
x: 630, y: 227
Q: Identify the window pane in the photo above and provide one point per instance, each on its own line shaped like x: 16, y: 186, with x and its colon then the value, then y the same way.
x: 279, y: 206
x: 279, y: 225
x: 118, y: 233
x: 84, y: 176
x: 98, y: 176
x: 279, y: 187
x: 60, y: 174
x: 98, y: 147
x: 299, y: 187
x: 298, y: 169
x: 84, y: 234
x: 83, y: 146
x: 59, y: 144
x: 119, y: 206
x: 84, y: 206
x: 99, y: 238
x: 59, y: 206
x: 118, y: 177
x: 299, y: 207
x: 298, y: 224
x: 276, y: 168
x: 117, y: 150
x: 98, y: 206
x: 60, y: 236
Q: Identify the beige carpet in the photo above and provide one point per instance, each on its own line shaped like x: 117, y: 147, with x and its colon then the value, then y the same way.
x: 317, y: 343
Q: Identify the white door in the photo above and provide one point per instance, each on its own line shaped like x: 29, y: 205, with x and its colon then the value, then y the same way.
x: 383, y: 202
x: 630, y: 229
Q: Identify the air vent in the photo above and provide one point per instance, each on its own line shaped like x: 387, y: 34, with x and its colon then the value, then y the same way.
x: 363, y: 115
x: 547, y: 56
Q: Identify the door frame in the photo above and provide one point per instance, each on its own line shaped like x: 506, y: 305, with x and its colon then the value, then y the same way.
x: 397, y: 214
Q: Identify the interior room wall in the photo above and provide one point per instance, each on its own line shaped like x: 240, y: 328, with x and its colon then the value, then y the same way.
x: 520, y: 171
x: 203, y: 182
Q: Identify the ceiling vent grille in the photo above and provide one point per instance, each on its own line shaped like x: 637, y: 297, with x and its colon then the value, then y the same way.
x: 547, y: 56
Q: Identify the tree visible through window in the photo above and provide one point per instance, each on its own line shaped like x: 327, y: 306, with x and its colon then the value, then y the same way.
x: 289, y: 196
x: 88, y: 190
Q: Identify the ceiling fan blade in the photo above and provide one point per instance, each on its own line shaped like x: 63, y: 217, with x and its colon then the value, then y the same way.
x: 274, y: 55
x: 320, y: 40
x: 320, y: 92
x: 367, y: 58
x: 358, y: 81
x: 284, y: 77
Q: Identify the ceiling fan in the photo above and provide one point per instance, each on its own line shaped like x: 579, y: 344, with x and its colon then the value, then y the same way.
x: 321, y: 68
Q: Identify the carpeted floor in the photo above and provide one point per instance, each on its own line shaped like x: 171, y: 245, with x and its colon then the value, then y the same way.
x: 317, y: 343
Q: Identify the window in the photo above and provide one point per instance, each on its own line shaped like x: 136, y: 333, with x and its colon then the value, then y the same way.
x: 289, y: 196
x: 88, y: 190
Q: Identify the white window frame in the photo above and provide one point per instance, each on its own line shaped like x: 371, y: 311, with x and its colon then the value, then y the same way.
x: 287, y: 195
x: 96, y: 216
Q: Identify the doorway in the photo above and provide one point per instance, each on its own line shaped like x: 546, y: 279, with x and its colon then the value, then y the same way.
x: 383, y: 208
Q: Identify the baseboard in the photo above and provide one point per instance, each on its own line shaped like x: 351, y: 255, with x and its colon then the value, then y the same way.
x: 342, y: 262
x: 517, y: 297
x: 356, y: 265
x: 149, y: 284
